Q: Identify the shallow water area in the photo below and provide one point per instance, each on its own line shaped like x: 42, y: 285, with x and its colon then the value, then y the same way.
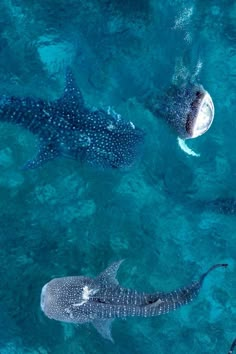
x: 170, y: 215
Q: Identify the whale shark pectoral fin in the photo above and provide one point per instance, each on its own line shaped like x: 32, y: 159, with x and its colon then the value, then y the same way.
x: 104, y: 328
x: 108, y: 276
x: 45, y: 154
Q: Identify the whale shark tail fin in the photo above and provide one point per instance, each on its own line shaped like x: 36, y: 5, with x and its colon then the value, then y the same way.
x: 210, y: 269
x: 46, y: 153
x: 184, y: 295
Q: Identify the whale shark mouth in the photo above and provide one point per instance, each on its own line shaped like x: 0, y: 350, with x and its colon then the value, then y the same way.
x: 201, y: 115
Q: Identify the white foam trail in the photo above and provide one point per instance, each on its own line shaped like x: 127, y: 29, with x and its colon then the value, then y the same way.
x: 185, y: 148
x: 181, y: 73
x: 183, y: 21
x: 184, y: 18
x: 197, y: 69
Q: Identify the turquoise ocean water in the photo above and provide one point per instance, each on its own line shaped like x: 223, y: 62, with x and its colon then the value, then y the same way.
x: 171, y: 216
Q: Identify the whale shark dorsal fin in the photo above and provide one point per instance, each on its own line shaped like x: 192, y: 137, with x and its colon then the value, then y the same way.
x: 104, y: 328
x: 72, y: 95
x: 108, y: 276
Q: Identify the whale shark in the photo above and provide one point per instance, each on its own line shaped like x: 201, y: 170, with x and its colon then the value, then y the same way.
x: 66, y: 127
x: 233, y: 346
x: 79, y: 299
x: 187, y: 108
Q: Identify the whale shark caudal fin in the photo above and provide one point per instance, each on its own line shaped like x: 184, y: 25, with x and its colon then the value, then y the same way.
x: 104, y: 328
x: 210, y: 269
x: 233, y: 345
x: 171, y: 301
x: 204, y: 275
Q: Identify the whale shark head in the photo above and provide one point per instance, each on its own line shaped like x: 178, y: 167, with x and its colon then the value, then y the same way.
x: 62, y: 299
x: 201, y: 114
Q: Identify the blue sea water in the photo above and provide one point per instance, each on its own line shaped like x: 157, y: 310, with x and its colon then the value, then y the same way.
x: 171, y: 216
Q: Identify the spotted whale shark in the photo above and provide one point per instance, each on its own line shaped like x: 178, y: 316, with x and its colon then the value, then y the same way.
x: 79, y: 299
x: 66, y: 127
